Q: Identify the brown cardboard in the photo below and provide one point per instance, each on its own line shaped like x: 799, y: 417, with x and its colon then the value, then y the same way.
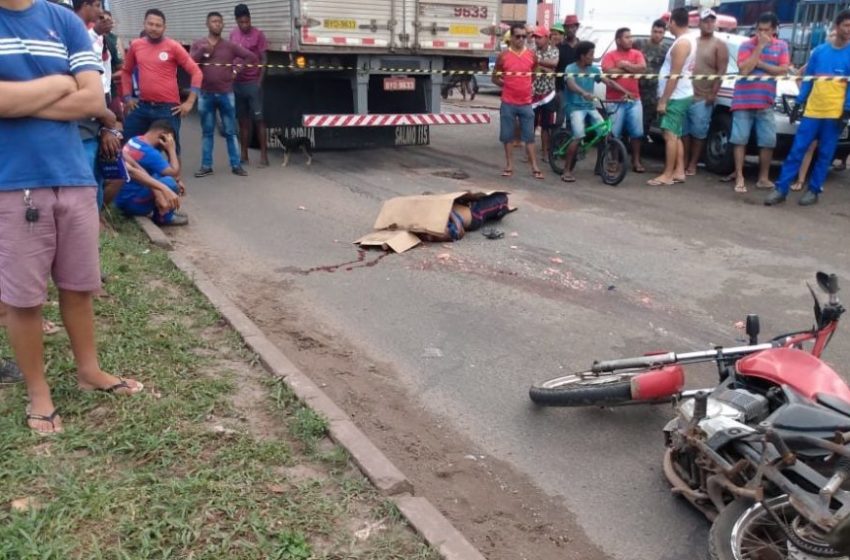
x: 397, y: 240
x: 402, y: 217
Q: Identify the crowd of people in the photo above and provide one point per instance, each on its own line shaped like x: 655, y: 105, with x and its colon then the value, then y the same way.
x: 533, y: 96
x: 67, y: 83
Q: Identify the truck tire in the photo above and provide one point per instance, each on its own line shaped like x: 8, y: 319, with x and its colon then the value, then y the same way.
x: 719, y: 157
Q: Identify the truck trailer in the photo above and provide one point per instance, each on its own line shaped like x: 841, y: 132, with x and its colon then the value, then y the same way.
x: 353, y: 73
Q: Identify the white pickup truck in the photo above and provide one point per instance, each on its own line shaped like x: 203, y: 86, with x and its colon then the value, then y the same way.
x: 330, y: 57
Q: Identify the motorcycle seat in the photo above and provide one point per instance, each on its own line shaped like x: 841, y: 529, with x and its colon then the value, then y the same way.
x: 835, y: 403
x: 810, y: 419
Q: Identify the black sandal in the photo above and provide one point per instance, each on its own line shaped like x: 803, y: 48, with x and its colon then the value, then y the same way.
x: 122, y: 384
x: 39, y: 418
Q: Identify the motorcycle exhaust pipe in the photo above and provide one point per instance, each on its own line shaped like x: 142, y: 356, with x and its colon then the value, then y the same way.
x: 658, y: 384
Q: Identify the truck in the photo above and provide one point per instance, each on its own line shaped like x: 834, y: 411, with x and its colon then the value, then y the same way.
x: 350, y: 73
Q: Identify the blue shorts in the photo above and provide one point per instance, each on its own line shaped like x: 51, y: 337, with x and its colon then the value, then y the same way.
x: 629, y: 116
x: 699, y: 119
x: 92, y: 147
x: 578, y: 117
x: 508, y: 115
x: 764, y: 121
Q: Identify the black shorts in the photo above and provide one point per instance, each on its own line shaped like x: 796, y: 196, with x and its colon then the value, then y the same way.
x: 249, y: 101
x: 546, y: 115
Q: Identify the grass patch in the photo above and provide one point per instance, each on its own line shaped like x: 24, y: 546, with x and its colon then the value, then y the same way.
x: 177, y: 472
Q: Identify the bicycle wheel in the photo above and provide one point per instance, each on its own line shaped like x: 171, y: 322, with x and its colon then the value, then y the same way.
x: 613, y: 161
x: 584, y: 389
x: 558, y: 144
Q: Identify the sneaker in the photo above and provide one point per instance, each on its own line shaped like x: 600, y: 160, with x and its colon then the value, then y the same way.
x: 240, y: 171
x: 774, y: 198
x: 9, y: 373
x: 177, y: 220
x: 808, y: 199
x: 203, y: 172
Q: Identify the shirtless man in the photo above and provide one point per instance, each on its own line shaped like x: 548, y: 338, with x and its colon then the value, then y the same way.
x: 712, y: 58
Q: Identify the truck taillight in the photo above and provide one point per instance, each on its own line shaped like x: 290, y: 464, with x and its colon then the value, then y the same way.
x: 301, y: 61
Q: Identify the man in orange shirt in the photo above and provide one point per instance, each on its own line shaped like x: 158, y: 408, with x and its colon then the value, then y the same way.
x: 513, y: 73
x: 157, y: 58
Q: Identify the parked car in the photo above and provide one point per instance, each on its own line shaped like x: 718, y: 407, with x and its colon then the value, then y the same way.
x: 485, y: 83
x: 718, y: 156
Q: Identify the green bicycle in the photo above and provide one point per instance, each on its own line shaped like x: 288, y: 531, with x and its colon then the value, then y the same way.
x: 611, y: 158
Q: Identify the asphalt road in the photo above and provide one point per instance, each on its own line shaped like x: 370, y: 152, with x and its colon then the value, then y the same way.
x: 585, y: 272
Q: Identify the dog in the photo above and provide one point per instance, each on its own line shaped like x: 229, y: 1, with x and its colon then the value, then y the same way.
x: 291, y: 145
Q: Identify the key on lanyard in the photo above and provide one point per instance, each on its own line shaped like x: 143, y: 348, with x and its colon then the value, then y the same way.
x: 31, y: 212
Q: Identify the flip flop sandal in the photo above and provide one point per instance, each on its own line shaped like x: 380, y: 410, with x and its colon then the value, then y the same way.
x: 568, y: 179
x: 491, y: 233
x: 740, y: 188
x: 39, y: 418
x: 690, y: 173
x: 508, y: 173
x: 727, y: 178
x: 657, y: 183
x: 538, y: 175
x: 49, y: 328
x: 678, y: 180
x: 639, y: 169
x: 122, y: 384
x: 765, y: 186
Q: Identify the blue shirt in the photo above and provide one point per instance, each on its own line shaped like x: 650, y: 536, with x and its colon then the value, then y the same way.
x: 152, y: 161
x: 826, y: 99
x: 575, y: 102
x: 43, y: 40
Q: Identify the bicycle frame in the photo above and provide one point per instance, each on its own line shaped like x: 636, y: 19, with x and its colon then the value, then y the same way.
x: 601, y: 131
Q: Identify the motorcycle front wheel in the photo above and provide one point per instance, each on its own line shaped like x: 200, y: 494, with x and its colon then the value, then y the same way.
x: 584, y: 389
x: 746, y: 530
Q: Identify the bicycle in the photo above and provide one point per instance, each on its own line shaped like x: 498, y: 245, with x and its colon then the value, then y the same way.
x: 612, y: 157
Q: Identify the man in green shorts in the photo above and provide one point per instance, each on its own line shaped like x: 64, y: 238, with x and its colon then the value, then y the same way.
x: 675, y: 96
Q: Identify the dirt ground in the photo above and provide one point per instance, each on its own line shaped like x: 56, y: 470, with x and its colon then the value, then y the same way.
x: 496, y: 508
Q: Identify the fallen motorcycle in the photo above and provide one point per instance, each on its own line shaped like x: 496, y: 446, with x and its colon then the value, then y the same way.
x: 764, y: 455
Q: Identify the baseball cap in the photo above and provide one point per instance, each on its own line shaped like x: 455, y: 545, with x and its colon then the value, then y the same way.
x: 541, y: 31
x: 707, y: 13
x: 571, y: 19
x: 558, y: 28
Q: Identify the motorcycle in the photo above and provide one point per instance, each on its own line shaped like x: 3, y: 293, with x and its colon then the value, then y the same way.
x: 462, y: 83
x: 764, y: 454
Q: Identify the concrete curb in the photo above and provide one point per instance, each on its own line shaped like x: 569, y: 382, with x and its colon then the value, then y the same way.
x: 425, y: 519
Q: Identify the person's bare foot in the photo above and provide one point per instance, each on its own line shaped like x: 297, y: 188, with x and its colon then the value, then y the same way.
x: 43, y: 419
x: 102, y: 381
x: 264, y: 161
x: 690, y: 171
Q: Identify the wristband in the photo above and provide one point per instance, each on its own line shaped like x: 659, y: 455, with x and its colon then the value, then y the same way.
x: 113, y: 131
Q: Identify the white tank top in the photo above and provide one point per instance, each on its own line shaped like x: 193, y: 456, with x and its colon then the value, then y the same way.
x: 684, y: 87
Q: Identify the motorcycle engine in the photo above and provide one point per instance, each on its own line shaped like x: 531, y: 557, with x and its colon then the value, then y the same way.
x: 737, y: 404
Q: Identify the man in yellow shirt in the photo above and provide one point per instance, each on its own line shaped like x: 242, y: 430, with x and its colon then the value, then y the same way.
x: 827, y: 110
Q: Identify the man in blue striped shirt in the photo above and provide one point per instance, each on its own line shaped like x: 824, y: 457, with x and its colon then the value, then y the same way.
x: 752, y: 102
x: 49, y: 79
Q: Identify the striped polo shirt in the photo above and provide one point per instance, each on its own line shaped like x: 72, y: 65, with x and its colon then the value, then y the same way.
x: 44, y: 39
x: 759, y: 94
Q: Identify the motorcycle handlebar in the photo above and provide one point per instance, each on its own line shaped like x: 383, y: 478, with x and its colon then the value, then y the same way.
x: 655, y: 360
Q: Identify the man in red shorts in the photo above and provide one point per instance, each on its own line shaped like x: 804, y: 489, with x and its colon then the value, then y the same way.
x: 48, y: 211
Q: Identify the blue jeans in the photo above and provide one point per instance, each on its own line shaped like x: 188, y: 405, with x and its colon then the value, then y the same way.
x: 764, y: 120
x: 224, y: 103
x: 139, y: 121
x: 629, y: 117
x: 508, y: 115
x: 826, y: 132
x: 92, y: 147
x: 699, y: 119
x: 144, y: 205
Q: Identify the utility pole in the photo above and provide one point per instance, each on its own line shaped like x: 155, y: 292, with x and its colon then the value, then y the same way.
x: 531, y: 12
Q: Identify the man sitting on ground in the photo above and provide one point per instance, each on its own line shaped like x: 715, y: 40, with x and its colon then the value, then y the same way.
x: 155, y: 188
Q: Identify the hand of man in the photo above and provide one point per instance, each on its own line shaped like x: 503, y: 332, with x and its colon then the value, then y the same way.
x: 181, y: 187
x: 130, y: 105
x: 110, y: 144
x: 764, y: 38
x: 182, y: 110
x: 166, y: 200
x: 661, y: 108
x: 710, y: 98
x: 167, y: 142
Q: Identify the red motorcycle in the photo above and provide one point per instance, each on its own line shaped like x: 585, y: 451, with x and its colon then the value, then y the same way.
x: 764, y: 454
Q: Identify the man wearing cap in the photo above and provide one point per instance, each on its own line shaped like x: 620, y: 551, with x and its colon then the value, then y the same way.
x: 712, y: 59
x: 556, y: 37
x: 626, y: 60
x: 753, y: 101
x: 566, y: 55
x: 513, y: 73
x: 544, y: 99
